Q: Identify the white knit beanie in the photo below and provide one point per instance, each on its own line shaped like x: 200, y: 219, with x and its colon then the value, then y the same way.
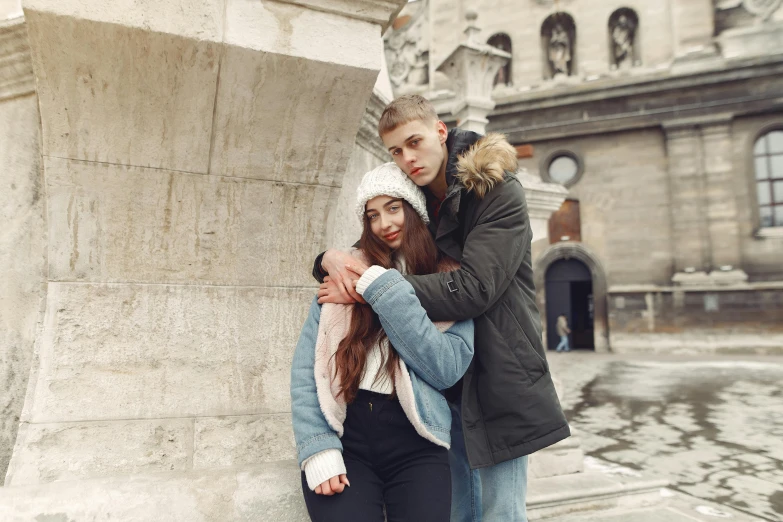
x: 389, y: 180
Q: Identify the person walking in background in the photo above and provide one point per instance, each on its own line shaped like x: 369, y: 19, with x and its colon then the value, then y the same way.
x: 563, y: 330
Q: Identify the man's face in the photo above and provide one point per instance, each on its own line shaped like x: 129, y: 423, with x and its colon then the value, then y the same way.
x: 417, y: 148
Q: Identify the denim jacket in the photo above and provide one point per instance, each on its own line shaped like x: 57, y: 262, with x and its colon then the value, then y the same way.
x: 435, y: 360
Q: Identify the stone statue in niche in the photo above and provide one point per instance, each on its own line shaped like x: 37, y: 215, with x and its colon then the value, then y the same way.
x: 623, y: 33
x: 560, y: 51
x: 407, y: 52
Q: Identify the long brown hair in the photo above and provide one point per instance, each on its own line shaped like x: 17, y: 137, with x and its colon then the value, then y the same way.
x: 421, y: 257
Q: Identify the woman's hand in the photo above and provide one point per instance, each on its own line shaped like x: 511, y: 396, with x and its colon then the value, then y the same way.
x: 334, y: 485
x: 330, y: 292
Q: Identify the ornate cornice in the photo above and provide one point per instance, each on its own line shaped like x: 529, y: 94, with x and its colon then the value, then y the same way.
x: 367, y: 137
x: 16, y: 66
x: 381, y: 12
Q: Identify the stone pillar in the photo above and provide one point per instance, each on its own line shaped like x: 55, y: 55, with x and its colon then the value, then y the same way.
x: 472, y: 67
x: 693, y: 22
x: 690, y: 236
x: 543, y: 199
x: 192, y: 153
x: 721, y: 196
x: 22, y: 240
x: 704, y: 210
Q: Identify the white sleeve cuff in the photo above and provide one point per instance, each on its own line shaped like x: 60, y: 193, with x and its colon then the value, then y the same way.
x: 322, y: 466
x: 370, y: 275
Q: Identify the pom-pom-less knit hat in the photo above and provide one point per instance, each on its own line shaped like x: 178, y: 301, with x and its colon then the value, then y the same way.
x: 389, y: 180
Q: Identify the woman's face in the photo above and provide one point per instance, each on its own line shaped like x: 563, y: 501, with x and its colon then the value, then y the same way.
x: 386, y: 219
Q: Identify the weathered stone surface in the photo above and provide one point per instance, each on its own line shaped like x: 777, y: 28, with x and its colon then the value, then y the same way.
x: 259, y: 133
x: 291, y: 130
x: 243, y: 440
x: 22, y: 259
x: 118, y: 351
x: 118, y: 103
x: 116, y: 223
x: 271, y: 492
x: 70, y: 451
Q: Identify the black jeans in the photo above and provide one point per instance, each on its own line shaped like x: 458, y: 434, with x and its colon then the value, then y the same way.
x: 389, y: 465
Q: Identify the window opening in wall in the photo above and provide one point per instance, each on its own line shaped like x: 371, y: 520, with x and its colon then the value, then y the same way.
x: 563, y: 169
x: 562, y: 166
x: 503, y: 42
x: 768, y: 162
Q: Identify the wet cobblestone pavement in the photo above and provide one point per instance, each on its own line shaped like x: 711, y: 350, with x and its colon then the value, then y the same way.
x: 714, y: 426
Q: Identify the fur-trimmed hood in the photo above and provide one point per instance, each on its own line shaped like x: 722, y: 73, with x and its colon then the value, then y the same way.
x: 485, y: 163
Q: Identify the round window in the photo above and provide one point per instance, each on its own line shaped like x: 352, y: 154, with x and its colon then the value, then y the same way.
x: 563, y: 169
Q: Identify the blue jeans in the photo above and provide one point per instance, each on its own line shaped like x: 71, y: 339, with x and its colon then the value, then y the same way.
x: 563, y: 344
x: 493, y: 494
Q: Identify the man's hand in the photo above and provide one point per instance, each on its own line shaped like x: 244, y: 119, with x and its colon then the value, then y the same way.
x: 340, y: 287
x: 333, y: 485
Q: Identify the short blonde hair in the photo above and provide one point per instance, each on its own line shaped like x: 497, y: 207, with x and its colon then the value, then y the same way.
x: 406, y: 109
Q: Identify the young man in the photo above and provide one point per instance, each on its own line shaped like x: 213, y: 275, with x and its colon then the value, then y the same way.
x: 505, y: 407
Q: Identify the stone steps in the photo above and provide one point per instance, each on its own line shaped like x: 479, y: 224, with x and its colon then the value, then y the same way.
x: 272, y: 491
x: 677, y: 508
x: 569, y: 495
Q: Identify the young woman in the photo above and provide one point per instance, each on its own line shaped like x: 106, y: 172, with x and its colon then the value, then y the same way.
x: 371, y: 424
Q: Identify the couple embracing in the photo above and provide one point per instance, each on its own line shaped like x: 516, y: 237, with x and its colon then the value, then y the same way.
x: 419, y: 384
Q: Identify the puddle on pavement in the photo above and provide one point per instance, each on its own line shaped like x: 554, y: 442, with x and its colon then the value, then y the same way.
x: 714, y: 428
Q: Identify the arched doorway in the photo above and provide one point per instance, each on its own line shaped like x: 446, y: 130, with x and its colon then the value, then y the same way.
x: 569, y: 292
x: 568, y: 250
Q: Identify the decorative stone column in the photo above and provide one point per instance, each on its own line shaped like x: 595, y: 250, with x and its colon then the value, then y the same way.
x: 704, y: 213
x: 690, y: 236
x: 472, y: 67
x: 192, y: 153
x: 721, y: 203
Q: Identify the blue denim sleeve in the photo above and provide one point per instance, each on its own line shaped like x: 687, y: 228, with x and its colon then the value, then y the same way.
x: 311, y: 431
x: 440, y: 358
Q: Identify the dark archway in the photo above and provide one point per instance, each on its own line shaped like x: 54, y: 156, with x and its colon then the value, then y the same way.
x: 572, y: 250
x: 569, y: 292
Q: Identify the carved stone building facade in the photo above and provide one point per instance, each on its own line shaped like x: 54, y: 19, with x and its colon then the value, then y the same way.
x: 664, y: 120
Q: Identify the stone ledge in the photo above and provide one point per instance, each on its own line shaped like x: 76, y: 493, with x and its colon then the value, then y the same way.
x: 268, y: 492
x: 381, y: 12
x: 591, y: 491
